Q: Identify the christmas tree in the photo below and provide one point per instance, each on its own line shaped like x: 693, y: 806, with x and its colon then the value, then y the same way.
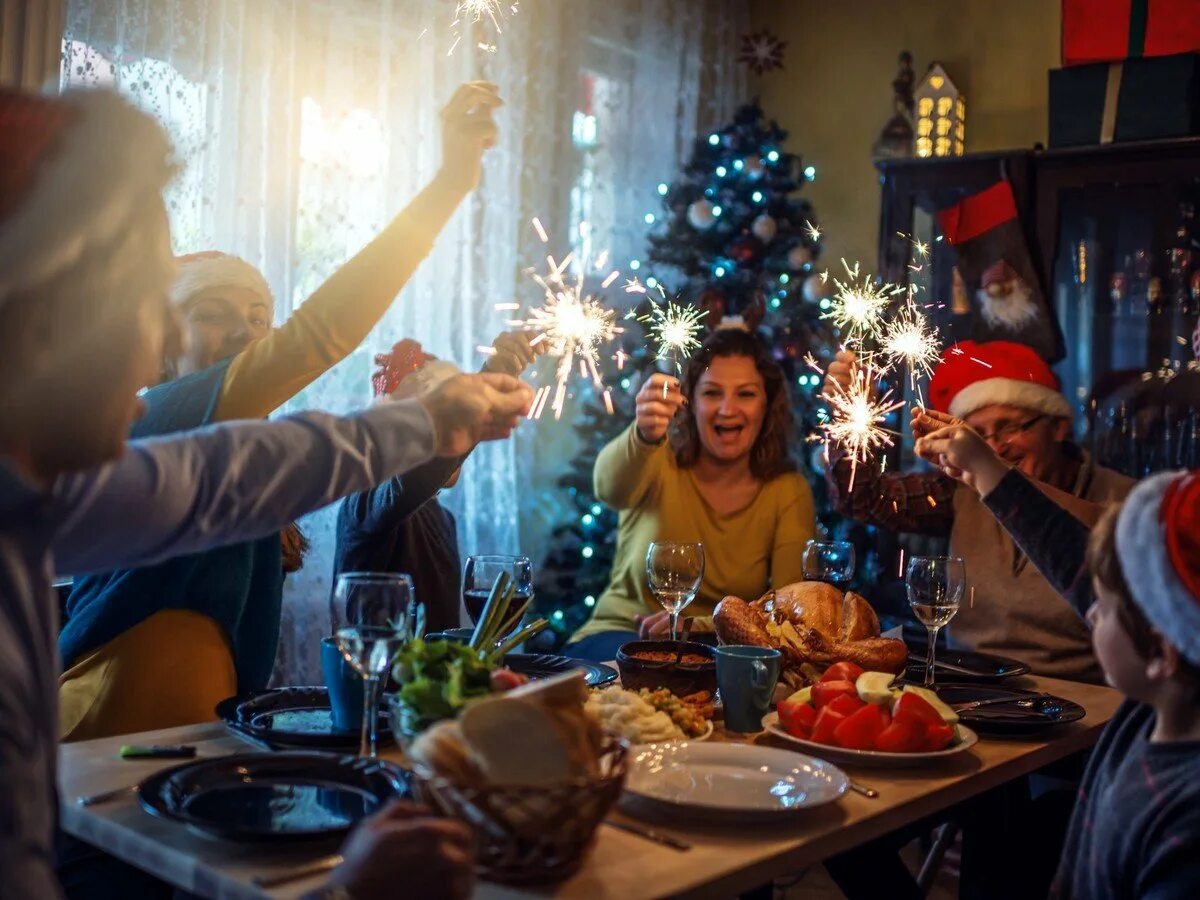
x: 737, y: 241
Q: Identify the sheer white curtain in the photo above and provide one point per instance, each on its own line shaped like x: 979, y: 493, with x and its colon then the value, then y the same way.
x: 303, y: 126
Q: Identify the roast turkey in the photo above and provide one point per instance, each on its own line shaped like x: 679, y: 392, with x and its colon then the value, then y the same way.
x: 814, y: 625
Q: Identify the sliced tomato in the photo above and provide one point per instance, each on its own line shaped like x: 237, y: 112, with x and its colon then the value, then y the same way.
x: 906, y: 734
x: 824, y: 691
x: 826, y: 724
x: 861, y: 730
x: 846, y: 704
x: 907, y: 704
x: 938, y: 737
x: 842, y: 671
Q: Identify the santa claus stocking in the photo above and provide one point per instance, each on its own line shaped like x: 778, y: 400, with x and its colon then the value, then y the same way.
x: 993, y: 260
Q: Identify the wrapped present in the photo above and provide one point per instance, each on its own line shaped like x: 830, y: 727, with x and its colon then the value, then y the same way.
x: 1135, y: 100
x: 1110, y: 30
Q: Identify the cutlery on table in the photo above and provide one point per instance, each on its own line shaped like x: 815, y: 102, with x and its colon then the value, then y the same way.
x: 687, y: 633
x: 1042, y: 703
x: 864, y: 790
x: 649, y: 834
x: 105, y: 796
x: 298, y: 873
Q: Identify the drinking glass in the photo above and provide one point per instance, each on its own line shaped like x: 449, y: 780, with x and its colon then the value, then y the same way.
x: 376, y: 612
x: 481, y: 573
x: 674, y: 572
x: 935, y: 588
x: 829, y: 561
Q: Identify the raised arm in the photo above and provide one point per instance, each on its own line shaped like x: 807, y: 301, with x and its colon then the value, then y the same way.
x: 626, y: 468
x: 170, y: 496
x: 381, y: 508
x: 341, y: 313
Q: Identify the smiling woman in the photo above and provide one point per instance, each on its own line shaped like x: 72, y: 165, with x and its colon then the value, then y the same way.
x: 724, y: 479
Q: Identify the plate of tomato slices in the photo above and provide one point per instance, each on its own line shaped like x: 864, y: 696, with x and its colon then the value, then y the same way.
x: 868, y: 719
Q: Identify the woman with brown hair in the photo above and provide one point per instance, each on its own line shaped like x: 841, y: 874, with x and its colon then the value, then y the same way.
x: 706, y: 460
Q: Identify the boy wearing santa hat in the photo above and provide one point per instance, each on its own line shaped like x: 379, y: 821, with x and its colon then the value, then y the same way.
x: 1009, y: 395
x: 1136, y: 823
x: 84, y: 269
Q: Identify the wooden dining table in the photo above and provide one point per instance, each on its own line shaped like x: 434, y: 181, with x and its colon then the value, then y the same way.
x: 722, y: 862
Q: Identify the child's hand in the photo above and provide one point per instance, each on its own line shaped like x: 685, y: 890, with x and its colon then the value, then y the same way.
x: 467, y: 131
x: 957, y: 449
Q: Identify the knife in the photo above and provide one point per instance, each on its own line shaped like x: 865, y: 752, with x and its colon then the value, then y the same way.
x: 658, y: 837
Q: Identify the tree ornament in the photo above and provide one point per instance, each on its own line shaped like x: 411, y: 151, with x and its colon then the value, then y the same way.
x: 700, y: 215
x: 764, y: 228
x: 799, y: 257
x: 814, y: 288
x: 762, y: 51
x: 744, y: 250
x: 712, y: 302
x: 753, y: 167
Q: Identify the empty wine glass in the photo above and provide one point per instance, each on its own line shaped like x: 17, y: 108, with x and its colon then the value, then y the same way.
x: 674, y: 572
x: 376, y: 611
x: 829, y: 561
x: 935, y: 588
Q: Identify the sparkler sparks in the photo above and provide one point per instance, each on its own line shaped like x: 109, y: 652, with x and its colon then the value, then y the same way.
x: 857, y: 419
x: 674, y: 328
x: 859, y: 308
x: 468, y: 13
x: 814, y: 233
x: 910, y: 339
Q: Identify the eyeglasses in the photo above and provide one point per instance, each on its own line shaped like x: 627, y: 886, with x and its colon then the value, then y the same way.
x: 1006, y: 433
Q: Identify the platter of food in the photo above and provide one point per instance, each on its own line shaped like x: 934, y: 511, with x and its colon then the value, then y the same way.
x: 814, y: 625
x: 728, y: 783
x: 651, y: 716
x: 868, y: 719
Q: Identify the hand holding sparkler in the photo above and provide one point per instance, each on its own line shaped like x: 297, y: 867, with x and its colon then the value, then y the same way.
x: 657, y: 403
x: 513, y: 352
x: 842, y: 374
x: 957, y: 449
x: 468, y: 409
x: 467, y: 131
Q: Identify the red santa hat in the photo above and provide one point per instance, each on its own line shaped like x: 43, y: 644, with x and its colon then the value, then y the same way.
x: 999, y: 272
x: 972, y: 376
x: 1158, y: 545
x: 408, y: 371
x: 81, y: 177
x: 214, y: 269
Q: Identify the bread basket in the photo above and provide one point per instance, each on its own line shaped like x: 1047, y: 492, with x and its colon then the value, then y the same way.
x: 530, y: 833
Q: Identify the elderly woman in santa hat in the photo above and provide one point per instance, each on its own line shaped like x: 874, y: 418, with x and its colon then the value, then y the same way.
x: 1010, y: 396
x: 207, y: 626
x: 1136, y: 823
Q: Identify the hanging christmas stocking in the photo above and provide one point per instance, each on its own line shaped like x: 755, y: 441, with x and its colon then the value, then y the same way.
x: 993, y: 260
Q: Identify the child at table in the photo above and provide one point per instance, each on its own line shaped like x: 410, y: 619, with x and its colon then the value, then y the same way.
x: 1136, y: 824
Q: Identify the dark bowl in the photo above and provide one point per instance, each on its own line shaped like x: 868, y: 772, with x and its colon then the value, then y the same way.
x: 680, y: 680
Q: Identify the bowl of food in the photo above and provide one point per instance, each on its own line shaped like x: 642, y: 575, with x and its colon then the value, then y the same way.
x: 530, y: 771
x: 682, y: 667
x: 651, y: 716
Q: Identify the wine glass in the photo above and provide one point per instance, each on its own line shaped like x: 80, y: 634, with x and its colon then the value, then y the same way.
x: 481, y: 573
x: 674, y: 572
x: 935, y: 588
x: 376, y: 611
x: 829, y: 561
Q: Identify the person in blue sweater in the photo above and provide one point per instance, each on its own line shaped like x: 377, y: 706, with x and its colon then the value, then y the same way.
x: 1135, y: 575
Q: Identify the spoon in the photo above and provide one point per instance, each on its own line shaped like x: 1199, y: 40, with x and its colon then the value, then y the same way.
x: 1043, y: 703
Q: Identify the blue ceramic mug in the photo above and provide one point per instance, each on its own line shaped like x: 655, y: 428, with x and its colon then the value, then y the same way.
x: 345, y: 687
x: 746, y: 678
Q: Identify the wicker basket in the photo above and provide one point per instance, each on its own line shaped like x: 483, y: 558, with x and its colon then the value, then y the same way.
x: 531, y: 833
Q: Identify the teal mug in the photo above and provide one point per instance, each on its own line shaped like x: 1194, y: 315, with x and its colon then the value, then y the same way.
x: 746, y: 678
x: 345, y: 687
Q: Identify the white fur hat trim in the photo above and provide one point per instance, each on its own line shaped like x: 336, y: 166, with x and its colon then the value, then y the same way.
x: 1009, y: 392
x: 1142, y: 550
x: 224, y: 270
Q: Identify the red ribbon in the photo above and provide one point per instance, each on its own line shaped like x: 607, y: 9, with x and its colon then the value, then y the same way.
x: 979, y: 213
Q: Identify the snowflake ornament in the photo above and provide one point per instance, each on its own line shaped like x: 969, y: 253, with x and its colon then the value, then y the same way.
x: 762, y: 51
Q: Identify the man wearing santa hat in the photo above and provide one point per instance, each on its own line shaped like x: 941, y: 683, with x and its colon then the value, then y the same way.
x: 1008, y: 394
x: 85, y: 266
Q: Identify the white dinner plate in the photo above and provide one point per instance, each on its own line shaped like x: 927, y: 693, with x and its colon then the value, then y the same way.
x: 876, y: 759
x: 736, y: 782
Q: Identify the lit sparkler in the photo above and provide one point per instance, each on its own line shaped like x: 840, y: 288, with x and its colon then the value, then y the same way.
x: 468, y: 13
x: 909, y: 339
x: 856, y: 423
x: 814, y: 233
x: 858, y: 308
x: 675, y: 328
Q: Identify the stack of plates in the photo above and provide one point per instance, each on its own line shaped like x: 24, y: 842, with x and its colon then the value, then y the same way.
x: 292, y: 717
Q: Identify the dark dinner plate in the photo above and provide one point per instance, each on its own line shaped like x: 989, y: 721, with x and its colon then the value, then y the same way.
x: 273, y: 797
x: 963, y: 665
x: 1008, y: 718
x: 545, y: 665
x: 296, y: 717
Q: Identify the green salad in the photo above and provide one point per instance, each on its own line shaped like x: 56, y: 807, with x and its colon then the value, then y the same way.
x: 437, y: 678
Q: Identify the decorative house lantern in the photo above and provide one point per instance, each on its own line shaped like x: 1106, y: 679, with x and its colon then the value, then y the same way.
x: 940, y: 114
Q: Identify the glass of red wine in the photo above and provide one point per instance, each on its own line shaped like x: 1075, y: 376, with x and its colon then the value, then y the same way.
x: 481, y: 573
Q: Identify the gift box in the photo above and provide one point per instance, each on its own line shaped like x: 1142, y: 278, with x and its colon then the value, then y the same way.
x: 1135, y: 100
x: 1110, y: 30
